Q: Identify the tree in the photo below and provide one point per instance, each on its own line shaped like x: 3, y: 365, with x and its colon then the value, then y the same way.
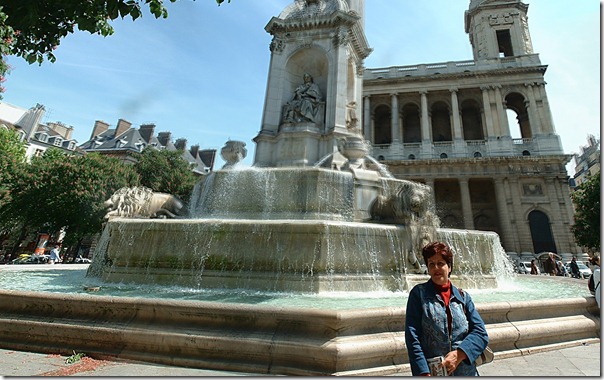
x: 58, y: 193
x: 587, y: 214
x: 32, y: 29
x: 12, y: 159
x: 166, y: 171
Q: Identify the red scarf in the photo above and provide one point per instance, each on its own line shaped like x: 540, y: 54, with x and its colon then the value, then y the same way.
x: 445, y: 293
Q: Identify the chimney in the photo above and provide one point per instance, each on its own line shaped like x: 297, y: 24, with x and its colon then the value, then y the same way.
x: 99, y: 127
x: 164, y: 138
x: 194, y: 150
x: 122, y: 126
x: 208, y: 156
x: 181, y: 144
x: 146, y: 131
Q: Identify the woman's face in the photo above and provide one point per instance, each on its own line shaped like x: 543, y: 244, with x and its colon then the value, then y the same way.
x: 438, y: 269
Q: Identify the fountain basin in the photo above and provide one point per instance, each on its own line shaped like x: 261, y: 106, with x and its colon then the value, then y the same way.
x: 266, y: 340
x: 281, y: 255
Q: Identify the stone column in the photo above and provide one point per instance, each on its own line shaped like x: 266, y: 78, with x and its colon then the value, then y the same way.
x: 507, y: 233
x: 486, y: 104
x: 504, y: 126
x: 367, y: 119
x: 396, y: 131
x: 534, y: 120
x: 547, y: 126
x: 466, y: 204
x: 457, y: 131
x: 426, y: 147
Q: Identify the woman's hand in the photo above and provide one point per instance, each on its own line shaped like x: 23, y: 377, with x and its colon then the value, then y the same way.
x: 452, y: 360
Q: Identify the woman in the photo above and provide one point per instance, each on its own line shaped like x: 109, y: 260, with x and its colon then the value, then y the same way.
x: 595, y: 261
x: 534, y: 269
x: 441, y: 321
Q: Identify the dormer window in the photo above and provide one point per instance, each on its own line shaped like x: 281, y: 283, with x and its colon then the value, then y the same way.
x: 43, y: 137
x: 71, y: 145
x: 121, y: 142
x: 140, y: 145
x: 58, y: 141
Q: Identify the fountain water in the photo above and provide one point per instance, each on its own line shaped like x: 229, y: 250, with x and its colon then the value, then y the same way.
x: 286, y: 226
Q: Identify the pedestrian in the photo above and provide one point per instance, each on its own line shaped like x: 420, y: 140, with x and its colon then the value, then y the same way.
x: 595, y: 261
x: 534, y: 269
x: 550, y: 266
x: 441, y: 320
x: 55, y: 255
x: 574, y: 268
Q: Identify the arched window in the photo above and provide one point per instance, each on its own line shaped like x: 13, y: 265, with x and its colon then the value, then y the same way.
x: 471, y: 120
x: 412, y: 156
x: 541, y: 232
x: 444, y: 155
x: 477, y: 154
x: 411, y: 124
x: 516, y: 103
x: 381, y: 158
x: 526, y: 153
x: 382, y: 119
x: 441, y: 122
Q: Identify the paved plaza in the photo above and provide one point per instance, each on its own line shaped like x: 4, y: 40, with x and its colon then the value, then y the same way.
x: 583, y: 360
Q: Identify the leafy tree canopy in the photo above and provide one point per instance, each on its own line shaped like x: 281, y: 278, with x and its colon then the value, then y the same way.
x: 166, y: 171
x: 56, y: 193
x: 12, y: 161
x: 587, y: 214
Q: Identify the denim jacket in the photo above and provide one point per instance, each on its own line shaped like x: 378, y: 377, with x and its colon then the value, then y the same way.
x: 427, y: 334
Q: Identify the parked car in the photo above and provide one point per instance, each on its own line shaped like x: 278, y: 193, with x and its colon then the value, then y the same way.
x: 21, y: 259
x: 583, y: 269
x: 524, y: 267
x: 37, y: 259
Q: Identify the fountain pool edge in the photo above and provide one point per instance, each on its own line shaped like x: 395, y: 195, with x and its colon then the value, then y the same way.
x: 262, y: 339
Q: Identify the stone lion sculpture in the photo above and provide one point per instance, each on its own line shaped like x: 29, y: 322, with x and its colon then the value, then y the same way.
x: 142, y: 202
x: 409, y: 205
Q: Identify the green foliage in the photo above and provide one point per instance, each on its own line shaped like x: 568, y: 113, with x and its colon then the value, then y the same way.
x: 12, y: 156
x: 32, y: 29
x: 59, y: 191
x: 587, y: 214
x: 40, y: 25
x: 166, y: 171
x: 74, y: 358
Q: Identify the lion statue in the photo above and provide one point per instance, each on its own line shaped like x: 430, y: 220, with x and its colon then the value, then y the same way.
x: 142, y: 202
x: 411, y: 205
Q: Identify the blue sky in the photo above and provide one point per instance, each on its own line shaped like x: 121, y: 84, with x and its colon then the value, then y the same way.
x: 202, y: 72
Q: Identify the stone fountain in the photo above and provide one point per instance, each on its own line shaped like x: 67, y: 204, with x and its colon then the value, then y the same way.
x: 315, y: 214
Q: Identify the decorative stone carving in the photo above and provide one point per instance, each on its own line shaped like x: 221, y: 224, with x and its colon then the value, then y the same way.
x: 409, y: 205
x: 352, y: 123
x: 304, y: 105
x: 355, y: 149
x: 233, y: 152
x: 277, y: 45
x: 532, y: 189
x: 142, y: 202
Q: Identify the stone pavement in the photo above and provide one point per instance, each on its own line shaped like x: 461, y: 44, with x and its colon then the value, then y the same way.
x: 583, y: 360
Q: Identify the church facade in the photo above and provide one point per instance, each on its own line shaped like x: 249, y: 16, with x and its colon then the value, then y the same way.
x: 449, y: 125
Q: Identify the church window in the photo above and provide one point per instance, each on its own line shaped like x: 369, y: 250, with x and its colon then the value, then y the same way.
x: 504, y: 40
x: 383, y: 130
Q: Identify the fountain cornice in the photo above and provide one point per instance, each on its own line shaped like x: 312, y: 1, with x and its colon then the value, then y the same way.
x: 349, y: 20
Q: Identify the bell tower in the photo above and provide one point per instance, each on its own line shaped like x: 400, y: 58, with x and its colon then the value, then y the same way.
x: 498, y: 28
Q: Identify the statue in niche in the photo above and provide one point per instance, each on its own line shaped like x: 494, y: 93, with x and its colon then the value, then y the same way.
x: 304, y: 105
x: 351, y: 118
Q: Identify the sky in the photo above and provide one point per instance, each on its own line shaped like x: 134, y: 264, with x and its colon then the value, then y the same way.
x: 202, y: 72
